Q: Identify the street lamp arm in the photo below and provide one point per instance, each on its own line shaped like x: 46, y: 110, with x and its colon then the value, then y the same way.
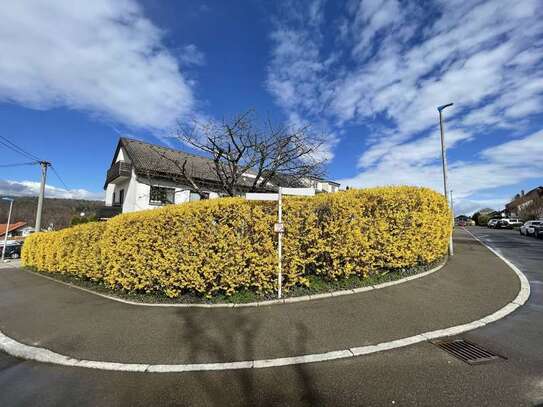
x: 440, y: 108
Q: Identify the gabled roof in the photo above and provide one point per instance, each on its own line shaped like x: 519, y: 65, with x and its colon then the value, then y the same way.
x: 12, y: 227
x: 152, y: 159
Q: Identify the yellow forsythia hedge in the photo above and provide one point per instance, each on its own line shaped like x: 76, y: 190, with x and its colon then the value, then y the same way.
x: 224, y: 245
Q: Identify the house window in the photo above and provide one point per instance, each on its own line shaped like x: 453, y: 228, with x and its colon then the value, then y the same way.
x: 195, y: 196
x: 121, y: 196
x: 161, y: 195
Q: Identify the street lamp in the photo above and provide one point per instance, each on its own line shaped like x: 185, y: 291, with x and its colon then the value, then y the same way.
x: 444, y: 160
x: 7, y: 227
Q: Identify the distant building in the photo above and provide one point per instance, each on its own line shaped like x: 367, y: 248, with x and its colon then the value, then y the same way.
x: 522, y: 201
x: 463, y: 220
x: 17, y: 229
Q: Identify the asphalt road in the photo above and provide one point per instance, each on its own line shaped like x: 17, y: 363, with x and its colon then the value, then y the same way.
x: 417, y: 375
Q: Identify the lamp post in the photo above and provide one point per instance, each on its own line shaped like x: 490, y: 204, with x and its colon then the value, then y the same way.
x: 444, y: 161
x: 7, y: 227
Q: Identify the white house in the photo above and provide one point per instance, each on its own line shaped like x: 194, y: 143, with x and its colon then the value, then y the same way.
x: 145, y: 176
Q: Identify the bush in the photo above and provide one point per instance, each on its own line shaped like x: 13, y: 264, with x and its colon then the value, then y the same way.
x: 227, y: 245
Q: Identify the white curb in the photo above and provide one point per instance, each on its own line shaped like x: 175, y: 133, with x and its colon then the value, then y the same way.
x: 17, y: 349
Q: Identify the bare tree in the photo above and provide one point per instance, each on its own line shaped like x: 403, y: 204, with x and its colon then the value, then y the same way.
x: 250, y: 157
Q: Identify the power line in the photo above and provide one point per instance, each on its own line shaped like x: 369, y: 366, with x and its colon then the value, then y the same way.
x: 18, y: 164
x: 59, y: 178
x: 14, y: 147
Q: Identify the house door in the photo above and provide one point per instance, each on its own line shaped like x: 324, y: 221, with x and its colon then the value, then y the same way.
x: 121, y: 197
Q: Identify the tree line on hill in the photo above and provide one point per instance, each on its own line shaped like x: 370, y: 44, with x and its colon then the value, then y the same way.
x: 58, y: 213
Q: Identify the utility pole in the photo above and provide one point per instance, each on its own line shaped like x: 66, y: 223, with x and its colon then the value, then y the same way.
x: 44, y: 165
x: 7, y: 227
x: 444, y: 161
x: 452, y: 207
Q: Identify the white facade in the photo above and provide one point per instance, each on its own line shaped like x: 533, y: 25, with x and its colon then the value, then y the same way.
x: 136, y: 193
x: 322, y: 185
x: 133, y: 192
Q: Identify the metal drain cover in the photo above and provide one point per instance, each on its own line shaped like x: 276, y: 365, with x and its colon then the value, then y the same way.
x: 467, y: 351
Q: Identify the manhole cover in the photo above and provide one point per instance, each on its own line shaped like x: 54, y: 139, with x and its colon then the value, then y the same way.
x: 467, y: 351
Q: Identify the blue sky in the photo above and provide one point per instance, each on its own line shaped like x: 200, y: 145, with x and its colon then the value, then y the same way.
x: 74, y: 76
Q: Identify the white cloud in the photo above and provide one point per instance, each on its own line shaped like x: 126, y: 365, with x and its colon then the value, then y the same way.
x: 470, y: 206
x: 191, y: 55
x: 294, y: 75
x: 393, y: 62
x: 98, y: 56
x: 506, y: 164
x: 31, y: 188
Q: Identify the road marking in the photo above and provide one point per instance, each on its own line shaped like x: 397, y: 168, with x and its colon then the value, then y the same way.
x: 17, y: 349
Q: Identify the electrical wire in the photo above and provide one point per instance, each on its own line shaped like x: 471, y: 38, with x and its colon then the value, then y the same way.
x: 14, y: 147
x: 59, y: 177
x: 18, y: 164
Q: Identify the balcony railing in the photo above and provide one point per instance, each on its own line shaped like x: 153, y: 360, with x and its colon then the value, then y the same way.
x: 120, y: 169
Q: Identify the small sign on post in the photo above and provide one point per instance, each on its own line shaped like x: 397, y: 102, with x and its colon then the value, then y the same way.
x: 279, y: 227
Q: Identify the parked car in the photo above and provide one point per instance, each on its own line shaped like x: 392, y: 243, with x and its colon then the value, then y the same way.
x: 538, y: 231
x: 508, y: 223
x: 492, y: 223
x: 528, y: 228
x: 12, y: 251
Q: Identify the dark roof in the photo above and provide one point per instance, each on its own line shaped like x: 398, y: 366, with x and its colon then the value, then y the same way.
x: 462, y: 217
x: 152, y: 160
x: 149, y: 159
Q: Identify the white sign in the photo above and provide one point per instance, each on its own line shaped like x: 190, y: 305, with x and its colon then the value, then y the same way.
x: 298, y: 191
x: 279, y: 228
x: 256, y: 196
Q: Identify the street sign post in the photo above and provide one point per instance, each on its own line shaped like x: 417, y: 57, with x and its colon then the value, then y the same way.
x: 279, y: 227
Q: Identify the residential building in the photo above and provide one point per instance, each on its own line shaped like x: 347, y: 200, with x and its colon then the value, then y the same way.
x: 17, y: 232
x: 145, y: 176
x: 524, y: 201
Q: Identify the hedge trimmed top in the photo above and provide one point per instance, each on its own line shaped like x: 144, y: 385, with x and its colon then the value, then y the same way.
x: 228, y: 244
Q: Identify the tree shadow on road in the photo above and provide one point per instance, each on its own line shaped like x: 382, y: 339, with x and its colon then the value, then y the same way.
x: 251, y: 387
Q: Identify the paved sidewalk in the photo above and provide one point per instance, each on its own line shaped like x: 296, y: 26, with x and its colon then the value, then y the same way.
x: 40, y: 312
x: 9, y: 264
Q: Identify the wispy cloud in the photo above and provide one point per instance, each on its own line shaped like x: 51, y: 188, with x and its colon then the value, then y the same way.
x: 500, y: 165
x: 191, y: 55
x: 297, y: 68
x: 31, y: 188
x: 103, y: 57
x: 392, y: 62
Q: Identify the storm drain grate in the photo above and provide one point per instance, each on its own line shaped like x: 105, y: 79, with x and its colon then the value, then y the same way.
x: 467, y: 351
